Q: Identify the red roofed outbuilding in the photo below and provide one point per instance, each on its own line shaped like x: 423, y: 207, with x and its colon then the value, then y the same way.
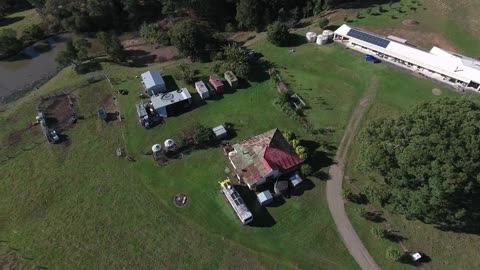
x: 217, y: 83
x: 264, y: 157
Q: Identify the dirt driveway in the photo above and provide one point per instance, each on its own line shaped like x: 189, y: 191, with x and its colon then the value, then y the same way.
x: 334, y: 185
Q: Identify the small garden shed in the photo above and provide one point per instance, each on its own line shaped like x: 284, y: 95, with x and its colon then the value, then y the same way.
x: 202, y: 90
x: 265, y: 197
x: 231, y: 79
x: 216, y: 83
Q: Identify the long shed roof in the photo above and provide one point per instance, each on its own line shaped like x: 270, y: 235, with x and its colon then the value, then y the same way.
x: 152, y: 78
x: 441, y: 61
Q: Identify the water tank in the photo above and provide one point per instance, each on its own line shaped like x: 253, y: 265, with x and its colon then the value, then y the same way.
x: 169, y: 144
x: 322, y: 40
x: 311, y: 36
x: 156, y: 149
x: 328, y: 34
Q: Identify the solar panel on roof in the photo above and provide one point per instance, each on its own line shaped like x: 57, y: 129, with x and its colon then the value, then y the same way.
x: 381, y: 42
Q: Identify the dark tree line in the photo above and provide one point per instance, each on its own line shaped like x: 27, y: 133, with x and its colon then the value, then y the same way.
x: 92, y: 15
x: 429, y: 163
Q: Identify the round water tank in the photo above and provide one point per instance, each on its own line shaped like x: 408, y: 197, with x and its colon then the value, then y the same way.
x: 322, y: 40
x: 156, y: 148
x: 328, y: 34
x: 311, y: 36
x: 169, y: 144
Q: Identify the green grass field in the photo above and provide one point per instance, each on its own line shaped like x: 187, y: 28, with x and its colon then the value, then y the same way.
x: 78, y: 204
x: 21, y: 20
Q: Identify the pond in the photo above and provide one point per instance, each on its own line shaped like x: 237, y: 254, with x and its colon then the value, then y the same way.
x: 34, y: 65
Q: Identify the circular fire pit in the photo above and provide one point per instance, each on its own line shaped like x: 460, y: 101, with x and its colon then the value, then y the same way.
x: 180, y: 200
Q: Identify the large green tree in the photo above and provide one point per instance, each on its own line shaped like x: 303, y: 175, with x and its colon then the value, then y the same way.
x: 9, y: 44
x: 112, y: 46
x: 189, y: 37
x: 278, y: 34
x: 429, y: 162
x: 248, y: 16
x: 236, y: 59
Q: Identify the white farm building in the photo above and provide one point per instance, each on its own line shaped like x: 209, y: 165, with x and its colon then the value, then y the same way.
x: 451, y: 68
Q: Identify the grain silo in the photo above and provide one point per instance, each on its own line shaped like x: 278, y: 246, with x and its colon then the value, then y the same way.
x: 322, y: 40
x: 328, y: 34
x: 311, y: 36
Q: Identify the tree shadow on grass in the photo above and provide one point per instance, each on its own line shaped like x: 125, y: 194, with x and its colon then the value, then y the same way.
x: 140, y: 58
x: 296, y: 40
x: 394, y: 237
x: 259, y: 70
x: 305, y: 186
x: 87, y: 67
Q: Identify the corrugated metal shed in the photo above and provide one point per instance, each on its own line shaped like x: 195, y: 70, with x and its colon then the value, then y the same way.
x: 265, y: 197
x: 153, y: 82
x: 220, y: 132
x: 202, y: 89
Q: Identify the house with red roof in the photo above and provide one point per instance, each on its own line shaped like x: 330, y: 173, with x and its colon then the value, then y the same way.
x: 263, y: 158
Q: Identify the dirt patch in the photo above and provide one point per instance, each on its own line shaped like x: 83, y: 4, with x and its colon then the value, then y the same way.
x: 410, y: 22
x: 425, y: 40
x: 436, y: 92
x: 59, y: 111
x: 16, y: 136
x: 149, y: 53
x: 241, y: 37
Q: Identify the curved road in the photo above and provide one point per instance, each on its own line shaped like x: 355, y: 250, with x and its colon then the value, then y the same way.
x: 334, y: 185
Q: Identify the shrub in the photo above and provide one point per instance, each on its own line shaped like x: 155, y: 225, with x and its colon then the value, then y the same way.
x: 347, y: 194
x: 289, y: 136
x: 185, y: 72
x: 32, y: 33
x: 9, y: 44
x: 324, y: 23
x: 393, y: 254
x: 295, y: 143
x: 306, y: 170
x: 301, y: 152
x: 362, y: 212
x: 278, y: 34
x: 378, y: 232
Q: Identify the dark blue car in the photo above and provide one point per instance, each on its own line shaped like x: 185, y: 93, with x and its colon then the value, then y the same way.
x: 371, y: 58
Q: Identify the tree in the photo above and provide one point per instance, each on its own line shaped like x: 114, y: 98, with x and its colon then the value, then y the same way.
x: 248, y: 17
x: 82, y: 46
x: 189, y: 38
x: 324, y: 23
x: 429, y: 162
x: 278, y: 34
x: 152, y: 33
x: 198, y: 135
x: 306, y: 170
x: 236, y: 59
x: 112, y: 46
x: 9, y: 44
x: 393, y: 254
x: 68, y: 56
x: 32, y: 33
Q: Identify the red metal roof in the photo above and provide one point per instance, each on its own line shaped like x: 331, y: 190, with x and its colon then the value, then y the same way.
x: 215, y: 81
x: 256, y: 157
x: 281, y: 160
